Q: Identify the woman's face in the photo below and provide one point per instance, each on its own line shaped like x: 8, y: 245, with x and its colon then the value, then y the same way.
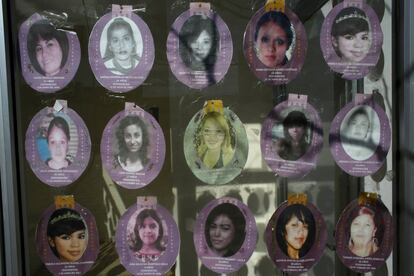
x: 296, y: 132
x: 221, y: 232
x: 49, y: 56
x: 353, y: 48
x: 149, y: 231
x: 58, y: 144
x: 296, y: 233
x: 271, y: 44
x: 70, y: 247
x: 213, y: 134
x: 133, y: 138
x: 200, y: 47
x: 363, y: 229
x: 121, y: 43
x: 358, y: 127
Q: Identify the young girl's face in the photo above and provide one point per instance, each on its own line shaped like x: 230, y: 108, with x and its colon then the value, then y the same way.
x: 70, y: 247
x: 271, y: 44
x: 213, y: 134
x: 121, y: 43
x: 149, y: 231
x: 58, y: 144
x: 353, y: 48
x: 201, y: 46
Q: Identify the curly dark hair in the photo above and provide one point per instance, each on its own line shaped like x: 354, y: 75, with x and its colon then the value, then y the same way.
x: 122, y: 147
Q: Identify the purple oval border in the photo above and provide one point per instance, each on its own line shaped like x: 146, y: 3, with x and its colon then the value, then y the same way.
x: 346, y: 162
x: 138, y: 267
x: 351, y: 71
x: 282, y: 261
x: 199, y: 79
x: 208, y: 257
x: 36, y: 80
x: 233, y: 168
x: 287, y: 168
x: 134, y: 180
x: 109, y: 80
x: 52, y: 263
x: 374, y: 261
x: 289, y: 71
x: 61, y: 177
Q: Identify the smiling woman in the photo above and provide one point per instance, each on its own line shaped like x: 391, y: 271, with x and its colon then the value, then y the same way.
x: 67, y: 235
x: 47, y: 48
x: 133, y: 143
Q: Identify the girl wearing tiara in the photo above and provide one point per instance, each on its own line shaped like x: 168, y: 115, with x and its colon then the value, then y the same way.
x: 351, y: 35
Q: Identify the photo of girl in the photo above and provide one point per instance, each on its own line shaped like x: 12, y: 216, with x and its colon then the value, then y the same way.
x: 121, y: 54
x: 351, y: 35
x: 359, y: 133
x: 67, y: 235
x: 213, y: 141
x: 365, y: 231
x: 273, y: 38
x: 198, y: 43
x: 295, y: 232
x: 225, y: 229
x: 47, y: 48
x: 58, y: 137
x: 297, y: 132
x: 148, y: 243
x: 132, y: 144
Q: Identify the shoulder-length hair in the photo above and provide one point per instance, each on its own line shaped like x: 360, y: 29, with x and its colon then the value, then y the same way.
x: 226, y: 147
x: 239, y: 222
x: 304, y: 215
x: 148, y: 213
x: 190, y: 31
x: 42, y: 29
x: 122, y: 147
x: 64, y: 221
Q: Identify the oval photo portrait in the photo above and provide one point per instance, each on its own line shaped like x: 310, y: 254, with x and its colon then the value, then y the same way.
x: 49, y: 54
x: 121, y: 45
x: 360, y: 132
x: 215, y: 146
x: 364, y: 234
x: 295, y: 231
x: 147, y: 239
x: 225, y: 229
x: 199, y: 42
x: 274, y: 39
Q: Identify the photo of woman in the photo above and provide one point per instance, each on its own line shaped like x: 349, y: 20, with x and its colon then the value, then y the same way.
x: 359, y: 133
x: 273, y: 38
x: 58, y: 136
x: 47, y: 48
x: 121, y: 55
x: 67, y: 235
x: 365, y: 227
x: 295, y: 231
x: 213, y: 141
x: 148, y: 244
x: 133, y: 144
x: 296, y: 136
x: 351, y: 35
x: 198, y: 43
x: 225, y: 229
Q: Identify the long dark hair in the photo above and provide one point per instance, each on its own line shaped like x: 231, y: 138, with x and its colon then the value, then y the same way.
x: 63, y: 221
x: 122, y: 147
x: 42, y: 29
x: 148, y: 213
x: 239, y: 222
x: 304, y: 215
x: 190, y: 31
